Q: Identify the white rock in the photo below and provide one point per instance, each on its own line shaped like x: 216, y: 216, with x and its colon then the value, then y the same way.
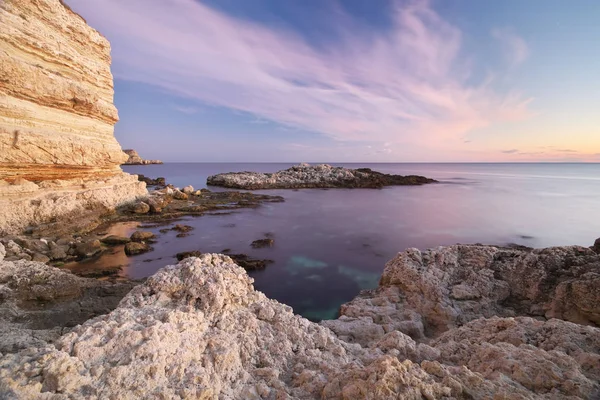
x: 2, y: 252
x: 188, y: 189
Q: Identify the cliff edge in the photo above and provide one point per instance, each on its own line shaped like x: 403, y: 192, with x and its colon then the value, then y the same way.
x: 58, y: 153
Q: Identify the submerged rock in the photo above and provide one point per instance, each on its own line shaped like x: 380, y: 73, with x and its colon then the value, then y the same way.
x: 200, y: 330
x: 318, y: 176
x: 140, y: 236
x: 114, y: 240
x: 260, y: 243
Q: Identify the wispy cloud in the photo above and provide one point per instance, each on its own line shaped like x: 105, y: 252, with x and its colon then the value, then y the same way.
x: 515, y: 48
x: 408, y: 83
x: 511, y: 151
x: 186, y: 109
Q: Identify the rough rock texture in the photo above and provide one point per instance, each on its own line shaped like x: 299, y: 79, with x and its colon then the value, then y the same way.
x: 318, y: 176
x: 424, y: 294
x: 58, y: 153
x: 199, y: 330
x: 39, y: 303
x: 135, y: 159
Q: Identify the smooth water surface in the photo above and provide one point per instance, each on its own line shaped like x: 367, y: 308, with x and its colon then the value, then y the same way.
x: 330, y: 244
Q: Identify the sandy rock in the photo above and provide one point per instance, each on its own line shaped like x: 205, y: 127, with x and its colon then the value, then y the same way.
x: 57, y: 147
x: 140, y: 236
x: 88, y: 249
x: 200, y: 330
x: 179, y: 195
x: 318, y: 176
x: 135, y: 159
x: 424, y: 294
x: 2, y: 252
x: 140, y: 208
x: 39, y: 303
x: 134, y: 248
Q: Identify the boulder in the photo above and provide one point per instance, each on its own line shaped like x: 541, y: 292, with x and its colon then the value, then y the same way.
x: 178, y: 195
x: 596, y: 246
x: 88, y: 249
x: 140, y: 236
x: 114, y: 240
x: 134, y: 248
x: 188, y: 189
x: 141, y: 208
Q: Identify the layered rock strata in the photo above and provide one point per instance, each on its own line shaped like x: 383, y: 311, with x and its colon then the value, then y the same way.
x: 135, y: 159
x: 314, y: 176
x: 58, y: 152
x: 200, y: 330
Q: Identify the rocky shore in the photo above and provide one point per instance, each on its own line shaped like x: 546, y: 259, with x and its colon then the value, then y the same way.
x: 135, y: 159
x: 305, y: 176
x: 458, y: 322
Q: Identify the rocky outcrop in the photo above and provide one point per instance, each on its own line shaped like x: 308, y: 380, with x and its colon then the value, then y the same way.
x: 200, y: 330
x: 318, y: 176
x: 424, y: 294
x: 135, y: 159
x: 39, y: 303
x: 58, y: 153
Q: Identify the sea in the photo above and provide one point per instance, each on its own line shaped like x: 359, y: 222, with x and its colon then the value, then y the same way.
x: 331, y: 244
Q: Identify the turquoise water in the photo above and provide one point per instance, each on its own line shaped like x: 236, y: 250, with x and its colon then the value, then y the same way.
x: 330, y: 244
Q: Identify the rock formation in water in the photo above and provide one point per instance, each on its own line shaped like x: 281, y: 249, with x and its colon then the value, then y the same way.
x: 314, y: 176
x: 135, y: 159
x: 442, y: 324
x: 58, y: 154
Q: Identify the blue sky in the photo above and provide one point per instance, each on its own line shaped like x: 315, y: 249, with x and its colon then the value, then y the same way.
x: 354, y: 80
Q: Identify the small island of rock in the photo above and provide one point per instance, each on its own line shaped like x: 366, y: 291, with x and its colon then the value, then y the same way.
x: 305, y: 176
x: 135, y: 159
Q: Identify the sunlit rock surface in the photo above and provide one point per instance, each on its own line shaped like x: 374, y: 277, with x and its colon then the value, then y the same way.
x: 200, y: 330
x: 314, y: 176
x: 56, y: 115
x: 135, y: 159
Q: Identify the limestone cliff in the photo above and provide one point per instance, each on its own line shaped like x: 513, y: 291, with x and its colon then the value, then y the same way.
x: 56, y: 113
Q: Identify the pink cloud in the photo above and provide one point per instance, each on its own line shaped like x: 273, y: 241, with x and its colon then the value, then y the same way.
x: 407, y: 84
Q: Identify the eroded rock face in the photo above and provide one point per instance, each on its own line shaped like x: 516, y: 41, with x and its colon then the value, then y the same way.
x: 317, y: 176
x: 58, y: 152
x: 424, y: 294
x: 200, y: 330
x: 135, y: 159
x: 39, y: 303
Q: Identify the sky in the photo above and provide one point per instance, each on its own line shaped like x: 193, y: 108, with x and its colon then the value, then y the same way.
x: 354, y: 80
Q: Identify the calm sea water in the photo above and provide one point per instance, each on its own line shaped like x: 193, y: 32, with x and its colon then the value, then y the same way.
x: 330, y: 244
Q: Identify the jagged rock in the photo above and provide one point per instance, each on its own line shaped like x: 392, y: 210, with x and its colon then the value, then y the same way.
x: 134, y: 248
x: 424, y: 294
x: 178, y: 195
x: 188, y: 189
x: 200, y: 330
x: 596, y: 246
x: 39, y: 303
x: 140, y: 236
x: 318, y: 176
x: 114, y: 240
x: 88, y: 249
x: 58, y: 153
x: 135, y: 159
x: 249, y: 263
